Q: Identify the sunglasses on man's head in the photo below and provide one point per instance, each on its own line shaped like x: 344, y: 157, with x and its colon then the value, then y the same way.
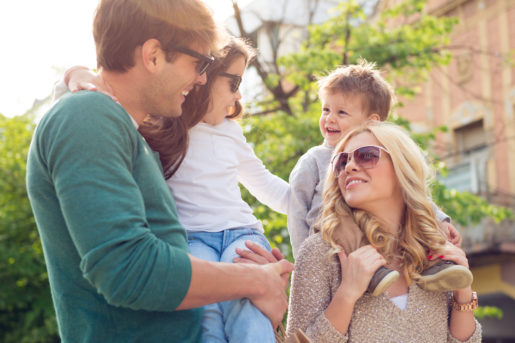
x: 365, y: 157
x: 204, y: 61
x: 236, y: 80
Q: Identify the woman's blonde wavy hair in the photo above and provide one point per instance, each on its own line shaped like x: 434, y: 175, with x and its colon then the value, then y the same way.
x: 419, y: 231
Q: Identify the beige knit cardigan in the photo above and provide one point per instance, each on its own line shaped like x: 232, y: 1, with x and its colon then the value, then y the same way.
x: 375, y: 319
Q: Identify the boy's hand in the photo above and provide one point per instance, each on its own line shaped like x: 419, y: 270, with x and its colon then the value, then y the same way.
x: 452, y: 234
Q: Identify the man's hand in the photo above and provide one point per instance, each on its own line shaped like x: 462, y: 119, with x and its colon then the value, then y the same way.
x: 272, y: 300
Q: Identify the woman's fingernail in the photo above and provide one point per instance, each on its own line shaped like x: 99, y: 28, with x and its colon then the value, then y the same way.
x: 441, y: 256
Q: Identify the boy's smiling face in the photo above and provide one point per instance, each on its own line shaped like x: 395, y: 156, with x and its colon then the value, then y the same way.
x: 341, y: 112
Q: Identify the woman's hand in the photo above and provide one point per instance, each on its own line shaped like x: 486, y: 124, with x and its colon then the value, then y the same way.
x: 357, y: 271
x: 450, y: 252
x: 461, y: 324
x: 81, y: 78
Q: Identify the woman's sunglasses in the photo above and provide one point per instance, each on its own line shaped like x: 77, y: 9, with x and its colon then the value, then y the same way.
x: 365, y: 157
x: 236, y: 80
x: 203, y: 61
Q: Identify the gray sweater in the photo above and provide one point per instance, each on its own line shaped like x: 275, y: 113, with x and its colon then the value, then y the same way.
x: 306, y: 185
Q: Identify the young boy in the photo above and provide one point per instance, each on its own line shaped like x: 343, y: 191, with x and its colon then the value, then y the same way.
x: 350, y: 96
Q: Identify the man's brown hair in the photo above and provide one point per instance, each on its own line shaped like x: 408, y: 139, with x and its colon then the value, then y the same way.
x: 365, y: 81
x: 120, y: 26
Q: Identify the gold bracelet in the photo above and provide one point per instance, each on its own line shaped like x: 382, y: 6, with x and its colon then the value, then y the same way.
x: 471, y: 306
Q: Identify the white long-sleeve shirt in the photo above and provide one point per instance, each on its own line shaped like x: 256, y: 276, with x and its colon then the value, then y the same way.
x: 205, y: 186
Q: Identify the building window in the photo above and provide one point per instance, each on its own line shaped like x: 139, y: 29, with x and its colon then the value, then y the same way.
x: 467, y: 165
x: 464, y: 67
x: 470, y: 138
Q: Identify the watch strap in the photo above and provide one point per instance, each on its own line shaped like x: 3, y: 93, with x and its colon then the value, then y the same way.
x: 470, y: 306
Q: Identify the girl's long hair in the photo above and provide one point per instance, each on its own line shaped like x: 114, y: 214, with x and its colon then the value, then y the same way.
x: 419, y: 230
x: 169, y: 136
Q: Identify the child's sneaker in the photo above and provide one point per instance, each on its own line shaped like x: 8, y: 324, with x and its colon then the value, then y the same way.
x: 445, y: 276
x: 381, y: 280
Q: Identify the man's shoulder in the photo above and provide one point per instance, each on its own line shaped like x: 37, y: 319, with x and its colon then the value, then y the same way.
x: 85, y: 119
x: 87, y: 101
x: 85, y: 109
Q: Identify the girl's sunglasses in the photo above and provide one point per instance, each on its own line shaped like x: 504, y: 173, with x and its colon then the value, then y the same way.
x: 236, y: 80
x: 365, y: 157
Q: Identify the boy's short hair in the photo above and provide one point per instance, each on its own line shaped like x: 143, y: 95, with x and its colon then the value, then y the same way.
x: 377, y: 95
x: 120, y: 26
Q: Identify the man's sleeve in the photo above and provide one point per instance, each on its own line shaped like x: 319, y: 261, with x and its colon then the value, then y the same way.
x: 91, y: 158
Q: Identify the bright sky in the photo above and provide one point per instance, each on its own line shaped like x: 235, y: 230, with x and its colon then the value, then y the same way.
x: 40, y: 39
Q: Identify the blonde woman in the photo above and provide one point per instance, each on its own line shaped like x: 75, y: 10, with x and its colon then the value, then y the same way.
x: 381, y: 174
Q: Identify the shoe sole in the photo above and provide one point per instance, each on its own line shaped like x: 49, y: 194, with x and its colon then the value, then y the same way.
x: 385, y: 283
x: 450, y: 279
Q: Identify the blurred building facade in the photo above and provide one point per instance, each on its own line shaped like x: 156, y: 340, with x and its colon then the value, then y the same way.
x: 474, y: 96
x: 277, y: 28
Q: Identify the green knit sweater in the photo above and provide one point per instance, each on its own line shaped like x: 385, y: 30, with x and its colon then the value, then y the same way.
x: 115, y: 251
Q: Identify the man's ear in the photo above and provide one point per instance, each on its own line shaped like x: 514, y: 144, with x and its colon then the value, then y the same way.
x: 374, y: 116
x: 152, y: 54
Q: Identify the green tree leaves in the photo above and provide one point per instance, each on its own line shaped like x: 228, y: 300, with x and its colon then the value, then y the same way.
x: 26, y: 310
x: 402, y: 40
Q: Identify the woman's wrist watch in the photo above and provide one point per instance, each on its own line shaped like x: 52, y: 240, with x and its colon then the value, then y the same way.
x: 470, y: 306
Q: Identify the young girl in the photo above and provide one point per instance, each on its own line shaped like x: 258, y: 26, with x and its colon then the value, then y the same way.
x: 380, y: 173
x: 209, y: 203
x: 205, y: 184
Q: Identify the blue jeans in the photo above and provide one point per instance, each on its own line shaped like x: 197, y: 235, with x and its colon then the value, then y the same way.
x: 235, y: 320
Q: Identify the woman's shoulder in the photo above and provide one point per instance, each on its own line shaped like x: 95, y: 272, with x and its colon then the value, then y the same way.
x: 315, y: 250
x: 315, y: 241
